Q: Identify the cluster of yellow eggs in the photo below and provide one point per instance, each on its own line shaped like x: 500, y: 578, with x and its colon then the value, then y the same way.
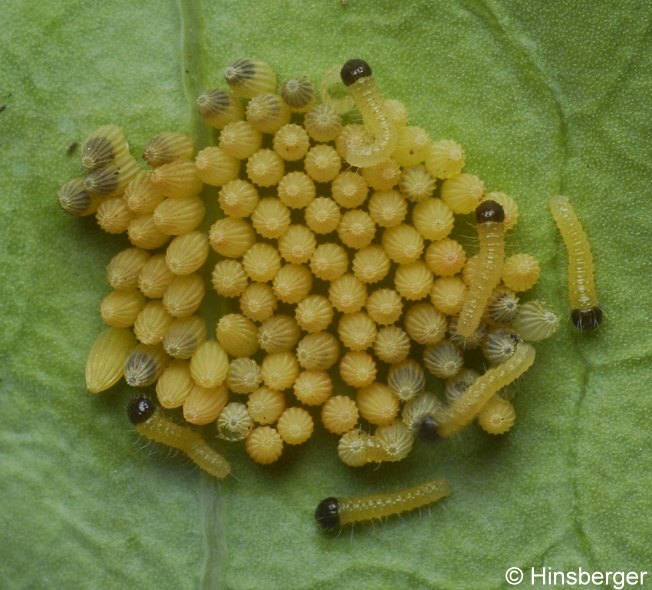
x: 347, y: 281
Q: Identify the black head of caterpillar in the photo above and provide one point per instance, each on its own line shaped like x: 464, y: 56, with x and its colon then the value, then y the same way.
x: 489, y: 211
x: 427, y: 430
x: 140, y: 409
x: 353, y: 70
x: 327, y: 514
x: 587, y: 319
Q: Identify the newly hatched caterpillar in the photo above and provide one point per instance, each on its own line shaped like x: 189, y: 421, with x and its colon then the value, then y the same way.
x: 152, y: 423
x: 585, y: 310
x: 334, y: 512
x: 356, y: 75
x: 489, y: 217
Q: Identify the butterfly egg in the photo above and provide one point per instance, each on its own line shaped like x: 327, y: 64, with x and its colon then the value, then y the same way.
x: 339, y: 414
x: 412, y: 146
x: 466, y: 343
x: 445, y: 257
x: 120, y: 308
x: 299, y: 94
x: 296, y: 190
x: 358, y: 369
x: 279, y: 370
x: 238, y: 198
x: 352, y: 135
x: 349, y: 189
x: 384, y: 306
x: 265, y: 168
x: 292, y: 283
x: 463, y: 193
x: 154, y: 277
x: 356, y: 229
x: 279, y: 333
x: 497, y: 416
x: 141, y: 196
x: 152, y: 423
x: 499, y: 344
x: 395, y: 440
x: 509, y: 207
x: 392, y: 344
x: 491, y: 234
x: 179, y: 216
x: 470, y: 403
x: 264, y: 445
x: 387, y: 208
x: 356, y: 75
x: 267, y: 113
x: 249, y: 77
x: 214, y: 167
x: 347, y: 293
x: 291, y: 142
x: 470, y: 269
x: 443, y: 360
x: 184, y: 295
x: 111, y: 179
x: 295, y: 426
x: 371, y: 264
x: 76, y: 200
x: 377, y: 403
x: 314, y: 313
x: 445, y: 159
x: 104, y: 145
x: 240, y: 140
x: 187, y: 253
x: 383, y: 176
x: 457, y: 384
x: 313, y: 388
x: 424, y: 324
x: 185, y: 336
x: 402, y: 243
x: 357, y: 331
x: 229, y: 278
x: 219, y: 107
x: 237, y: 334
x: 329, y: 261
x: 448, y: 295
x: 107, y: 357
x: 266, y: 405
x: 502, y: 306
x: 144, y: 233
x: 406, y: 379
x: 433, y: 219
x: 234, y: 422
x: 417, y: 409
x: 145, y: 364
x: 334, y: 512
x: 123, y: 269
x: 152, y: 323
x: 209, y: 365
x: 322, y: 163
x: 536, y: 320
x: 417, y: 184
x: 243, y: 376
x: 178, y: 179
x: 334, y: 93
x: 174, y: 384
x: 258, y: 301
x: 521, y: 272
x: 297, y: 244
x: 318, y: 351
x: 413, y: 280
x: 352, y: 448
x: 231, y: 237
x: 323, y: 123
x: 203, y: 405
x: 322, y: 215
x: 168, y: 147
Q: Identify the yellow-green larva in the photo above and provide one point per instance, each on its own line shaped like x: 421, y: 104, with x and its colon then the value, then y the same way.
x: 334, y: 512
x: 152, y: 423
x: 491, y: 234
x: 585, y: 309
x: 356, y: 75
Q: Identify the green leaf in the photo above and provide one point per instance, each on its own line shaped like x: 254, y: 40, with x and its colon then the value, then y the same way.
x: 546, y: 98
